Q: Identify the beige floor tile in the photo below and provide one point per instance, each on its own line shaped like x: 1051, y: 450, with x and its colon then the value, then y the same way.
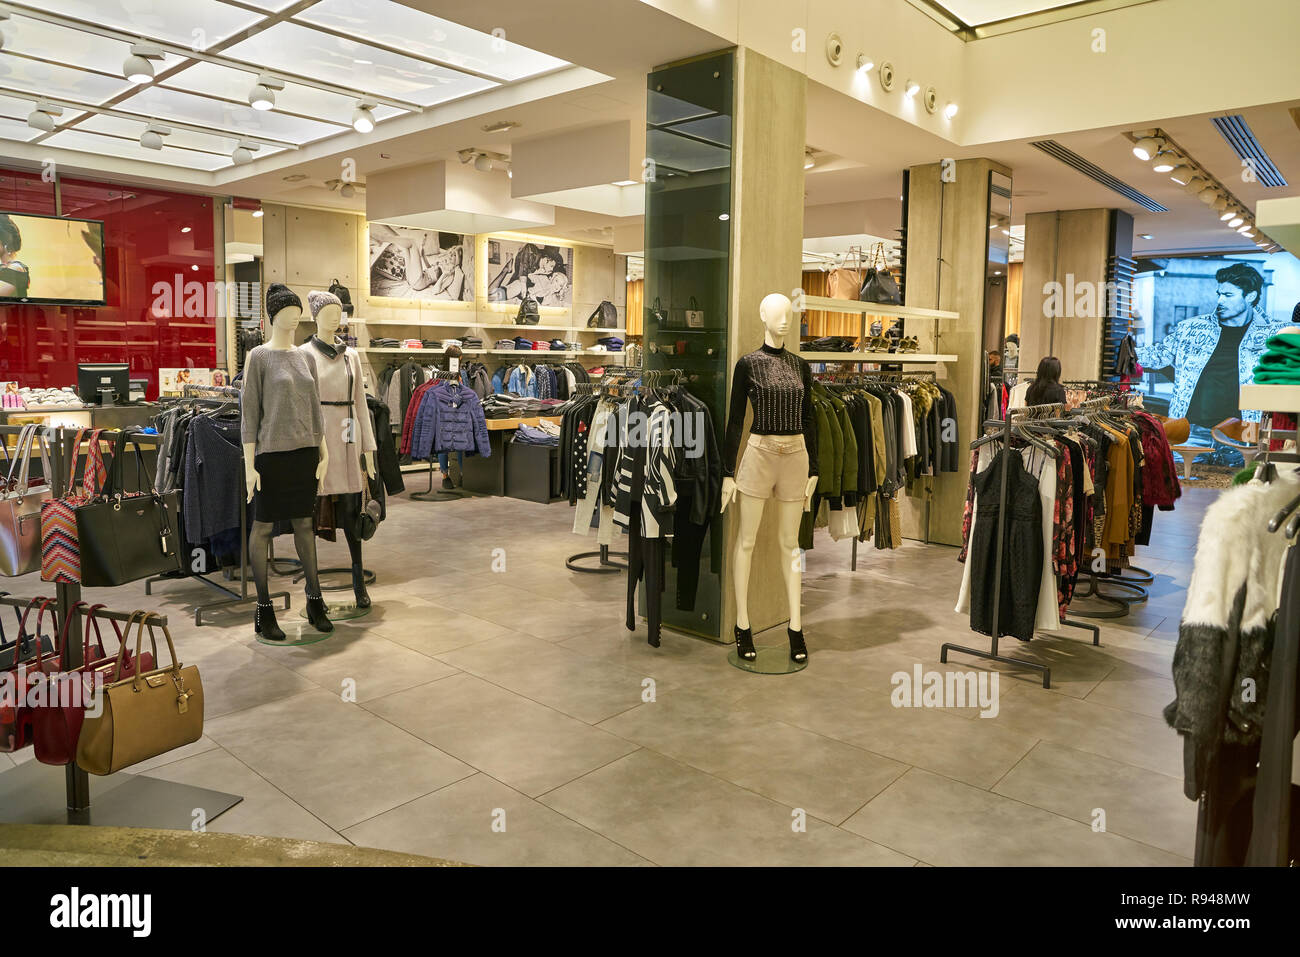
x: 481, y: 821
x: 675, y: 815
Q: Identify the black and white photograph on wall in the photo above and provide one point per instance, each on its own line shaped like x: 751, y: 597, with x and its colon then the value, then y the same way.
x: 411, y: 263
x: 516, y: 271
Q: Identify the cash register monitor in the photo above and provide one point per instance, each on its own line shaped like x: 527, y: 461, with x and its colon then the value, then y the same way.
x: 103, y: 383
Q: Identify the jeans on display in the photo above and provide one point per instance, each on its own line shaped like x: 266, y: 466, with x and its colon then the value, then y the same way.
x: 444, y: 458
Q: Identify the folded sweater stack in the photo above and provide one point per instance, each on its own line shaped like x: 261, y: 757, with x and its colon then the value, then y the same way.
x: 1280, y: 363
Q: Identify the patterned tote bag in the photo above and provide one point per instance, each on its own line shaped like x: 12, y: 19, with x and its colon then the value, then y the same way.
x: 60, y: 553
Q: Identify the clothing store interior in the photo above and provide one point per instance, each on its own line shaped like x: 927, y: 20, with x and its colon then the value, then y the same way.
x: 646, y: 427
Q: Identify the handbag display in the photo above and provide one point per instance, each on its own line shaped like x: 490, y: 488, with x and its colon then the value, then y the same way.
x: 122, y: 537
x: 846, y: 281
x: 605, y: 316
x: 24, y: 644
x: 60, y: 552
x: 528, y: 314
x: 878, y: 285
x: 15, y: 716
x: 338, y: 289
x: 20, y: 507
x: 56, y: 727
x: 370, y: 514
x: 694, y: 315
x: 142, y: 715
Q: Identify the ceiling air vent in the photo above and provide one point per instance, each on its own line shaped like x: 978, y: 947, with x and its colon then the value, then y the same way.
x: 1094, y: 172
x: 1237, y: 132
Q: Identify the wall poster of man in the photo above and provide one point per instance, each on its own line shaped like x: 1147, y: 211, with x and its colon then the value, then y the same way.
x: 538, y: 270
x: 411, y: 263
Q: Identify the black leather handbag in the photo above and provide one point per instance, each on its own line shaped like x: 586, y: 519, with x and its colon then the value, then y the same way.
x: 879, y: 286
x: 338, y: 289
x: 528, y: 314
x: 371, y: 512
x: 125, y: 537
x: 605, y: 316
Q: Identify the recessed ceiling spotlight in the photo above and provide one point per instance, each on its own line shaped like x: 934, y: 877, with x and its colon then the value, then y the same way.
x: 194, y: 267
x: 385, y: 156
x: 152, y: 137
x: 42, y: 117
x: 1145, y: 236
x: 185, y: 229
x: 137, y: 66
x: 1247, y: 231
x: 950, y: 110
x: 1235, y: 222
x: 1182, y: 175
x: 1228, y: 212
x: 500, y: 126
x: 1166, y: 161
x: 363, y: 120
x: 347, y: 191
x: 1148, y: 147
x: 262, y: 95
x: 257, y: 214
x: 865, y: 63
x: 295, y: 177
x: 243, y: 153
x: 724, y: 216
x: 624, y: 182
x: 912, y: 88
x: 809, y: 161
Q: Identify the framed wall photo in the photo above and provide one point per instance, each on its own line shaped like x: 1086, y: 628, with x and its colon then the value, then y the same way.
x: 540, y: 270
x: 427, y: 264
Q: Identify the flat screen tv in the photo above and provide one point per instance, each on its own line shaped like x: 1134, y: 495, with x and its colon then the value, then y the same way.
x: 51, y: 260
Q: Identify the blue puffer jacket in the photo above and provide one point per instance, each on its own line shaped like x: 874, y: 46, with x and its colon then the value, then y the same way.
x: 450, y: 419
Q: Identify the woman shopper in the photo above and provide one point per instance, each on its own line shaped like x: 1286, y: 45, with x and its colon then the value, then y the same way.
x: 1046, y: 387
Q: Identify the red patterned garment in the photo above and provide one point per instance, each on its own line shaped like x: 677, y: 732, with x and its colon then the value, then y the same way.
x: 968, y: 510
x: 1160, y: 486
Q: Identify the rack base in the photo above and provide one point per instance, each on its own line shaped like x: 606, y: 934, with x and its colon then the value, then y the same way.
x: 991, y: 656
x: 34, y: 793
x: 605, y: 567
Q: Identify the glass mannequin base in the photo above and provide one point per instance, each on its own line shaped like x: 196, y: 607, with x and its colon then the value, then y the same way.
x: 340, y: 611
x: 771, y: 660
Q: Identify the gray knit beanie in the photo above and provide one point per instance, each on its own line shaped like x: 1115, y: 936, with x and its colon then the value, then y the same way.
x: 317, y: 300
x: 280, y: 296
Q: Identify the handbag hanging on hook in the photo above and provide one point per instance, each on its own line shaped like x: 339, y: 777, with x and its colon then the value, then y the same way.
x: 878, y: 285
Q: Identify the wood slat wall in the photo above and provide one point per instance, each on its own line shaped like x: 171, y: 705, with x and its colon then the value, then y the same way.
x: 635, y: 310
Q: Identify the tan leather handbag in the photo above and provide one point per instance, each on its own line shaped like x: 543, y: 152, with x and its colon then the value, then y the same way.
x: 145, y: 715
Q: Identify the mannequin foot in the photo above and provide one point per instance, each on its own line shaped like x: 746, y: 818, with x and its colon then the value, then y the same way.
x: 745, y: 644
x: 264, y: 622
x: 798, y: 650
x: 359, y: 589
x: 316, y: 614
x: 653, y: 640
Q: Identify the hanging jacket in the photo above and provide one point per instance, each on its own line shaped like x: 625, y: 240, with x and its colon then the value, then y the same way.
x: 450, y: 420
x: 386, y: 456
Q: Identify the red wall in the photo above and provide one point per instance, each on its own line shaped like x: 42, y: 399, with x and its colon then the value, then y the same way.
x: 143, y: 245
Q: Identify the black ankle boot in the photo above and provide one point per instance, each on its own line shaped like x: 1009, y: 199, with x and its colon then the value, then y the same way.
x: 359, y: 588
x: 745, y: 644
x: 316, y: 614
x: 798, y: 650
x: 264, y: 622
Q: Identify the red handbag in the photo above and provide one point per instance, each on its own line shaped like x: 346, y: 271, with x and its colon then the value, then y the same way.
x: 15, y: 716
x: 56, y: 726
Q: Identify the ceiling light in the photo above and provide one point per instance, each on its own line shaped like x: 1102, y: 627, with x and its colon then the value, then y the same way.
x: 1247, y: 231
x: 42, y: 117
x: 500, y: 126
x: 1220, y: 204
x: 1147, y: 147
x: 865, y: 63
x: 1208, y: 195
x: 950, y: 110
x: 912, y: 88
x: 137, y: 66
x: 1235, y: 222
x: 724, y: 216
x: 262, y: 95
x: 347, y: 191
x: 185, y: 229
x: 1194, y: 185
x: 510, y: 174
x: 1164, y: 162
x: 1228, y: 212
x: 243, y: 153
x: 257, y: 214
x: 152, y: 137
x: 1145, y: 236
x: 363, y: 120
x: 483, y: 163
x: 808, y: 160
x: 1182, y: 175
x: 625, y: 182
x: 194, y: 267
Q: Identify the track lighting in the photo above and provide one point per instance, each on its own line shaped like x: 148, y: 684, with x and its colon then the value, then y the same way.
x: 152, y: 137
x: 1148, y: 147
x: 1228, y: 212
x: 950, y: 110
x: 262, y: 95
x: 347, y: 191
x: 1220, y: 204
x: 137, y: 67
x: 483, y: 163
x: 243, y: 153
x: 1164, y: 162
x: 1208, y: 195
x: 911, y: 89
x: 363, y: 120
x: 1182, y: 175
x: 42, y: 117
x: 1235, y: 222
x: 865, y: 63
x: 1248, y: 231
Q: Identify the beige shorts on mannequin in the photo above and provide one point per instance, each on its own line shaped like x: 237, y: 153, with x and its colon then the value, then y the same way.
x: 774, y: 466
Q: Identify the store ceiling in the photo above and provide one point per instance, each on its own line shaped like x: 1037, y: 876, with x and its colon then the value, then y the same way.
x: 331, y: 55
x: 976, y: 13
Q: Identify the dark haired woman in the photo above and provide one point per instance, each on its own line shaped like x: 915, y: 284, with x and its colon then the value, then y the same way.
x: 14, y: 279
x: 1046, y: 388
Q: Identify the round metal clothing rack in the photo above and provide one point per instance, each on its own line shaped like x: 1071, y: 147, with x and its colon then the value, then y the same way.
x: 1143, y: 577
x: 604, y: 568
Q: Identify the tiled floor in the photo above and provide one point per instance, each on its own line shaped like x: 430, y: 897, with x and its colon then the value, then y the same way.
x: 500, y: 717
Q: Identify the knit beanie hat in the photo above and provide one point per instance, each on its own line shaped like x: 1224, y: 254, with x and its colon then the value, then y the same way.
x: 317, y: 300
x: 279, y: 296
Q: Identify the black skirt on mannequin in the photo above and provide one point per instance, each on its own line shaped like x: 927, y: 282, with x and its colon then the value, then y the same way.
x: 287, y: 487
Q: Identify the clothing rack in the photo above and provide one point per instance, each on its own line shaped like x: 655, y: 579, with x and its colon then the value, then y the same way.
x: 204, y: 394
x: 1004, y: 435
x: 28, y: 791
x: 431, y: 494
x: 611, y: 379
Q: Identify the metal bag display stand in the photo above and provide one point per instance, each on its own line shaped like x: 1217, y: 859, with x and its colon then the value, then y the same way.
x: 35, y: 793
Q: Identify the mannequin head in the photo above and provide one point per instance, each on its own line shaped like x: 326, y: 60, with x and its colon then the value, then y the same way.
x: 285, y: 309
x: 327, y: 310
x: 775, y: 313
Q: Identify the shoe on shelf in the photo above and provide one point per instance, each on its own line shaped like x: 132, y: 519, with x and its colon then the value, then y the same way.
x: 316, y: 614
x: 264, y: 622
x: 798, y: 650
x: 745, y: 644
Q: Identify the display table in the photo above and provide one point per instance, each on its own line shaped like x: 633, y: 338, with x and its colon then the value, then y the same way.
x: 488, y: 476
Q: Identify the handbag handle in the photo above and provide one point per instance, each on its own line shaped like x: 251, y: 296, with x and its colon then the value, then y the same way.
x: 18, y: 651
x: 175, y: 669
x: 137, y: 615
x: 99, y: 640
x: 693, y: 304
x: 19, y: 447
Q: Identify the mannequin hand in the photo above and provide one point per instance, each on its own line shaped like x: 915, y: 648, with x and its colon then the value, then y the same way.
x: 728, y: 492
x: 808, y: 492
x: 323, y: 465
x: 368, y: 463
x: 252, y: 481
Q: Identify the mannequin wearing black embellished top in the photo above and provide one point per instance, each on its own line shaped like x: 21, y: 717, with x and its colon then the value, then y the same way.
x: 285, y: 455
x: 780, y: 463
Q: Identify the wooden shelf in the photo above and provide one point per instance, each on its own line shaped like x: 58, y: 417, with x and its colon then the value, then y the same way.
x: 901, y: 357
x: 826, y: 304
x: 1270, y: 398
x: 474, y: 324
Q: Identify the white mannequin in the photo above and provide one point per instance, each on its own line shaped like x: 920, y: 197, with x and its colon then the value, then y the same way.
x: 328, y: 322
x: 775, y: 314
x: 283, y: 323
